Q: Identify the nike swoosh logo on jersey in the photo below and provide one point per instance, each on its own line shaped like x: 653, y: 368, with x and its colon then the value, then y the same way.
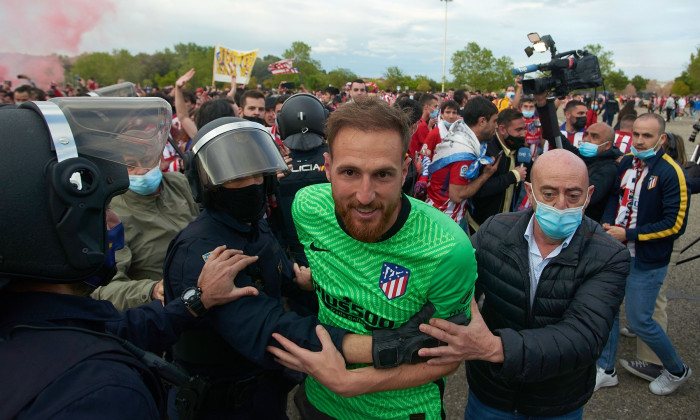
x: 315, y: 248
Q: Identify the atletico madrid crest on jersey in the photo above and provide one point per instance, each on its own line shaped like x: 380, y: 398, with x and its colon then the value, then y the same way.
x: 393, y: 280
x: 652, y: 182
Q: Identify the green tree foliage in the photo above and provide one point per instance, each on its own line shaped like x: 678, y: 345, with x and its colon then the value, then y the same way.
x: 100, y: 66
x: 680, y: 88
x: 339, y: 77
x: 617, y: 80
x: 162, y: 68
x: 691, y: 75
x: 394, y: 77
x: 639, y: 83
x: 302, y: 52
x: 477, y: 68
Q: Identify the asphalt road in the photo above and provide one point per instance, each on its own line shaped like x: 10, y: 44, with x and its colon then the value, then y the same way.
x: 631, y: 399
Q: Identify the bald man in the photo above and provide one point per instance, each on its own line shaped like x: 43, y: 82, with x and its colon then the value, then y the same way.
x: 598, y: 151
x: 553, y: 281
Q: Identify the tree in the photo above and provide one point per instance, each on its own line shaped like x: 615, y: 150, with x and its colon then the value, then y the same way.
x: 617, y: 80
x: 302, y: 52
x: 479, y: 69
x: 639, y: 83
x: 691, y: 75
x: 680, y: 88
x: 339, y: 77
x: 395, y: 77
x: 99, y: 66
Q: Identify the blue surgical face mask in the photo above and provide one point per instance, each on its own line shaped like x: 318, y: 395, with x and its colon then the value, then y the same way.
x: 529, y: 114
x: 146, y: 184
x: 447, y: 124
x: 558, y: 224
x: 510, y: 95
x: 595, y: 107
x: 646, y: 154
x: 587, y: 149
x: 434, y: 113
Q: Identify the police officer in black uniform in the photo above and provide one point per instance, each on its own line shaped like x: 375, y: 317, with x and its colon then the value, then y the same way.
x: 232, y: 168
x: 302, y: 127
x: 62, y: 353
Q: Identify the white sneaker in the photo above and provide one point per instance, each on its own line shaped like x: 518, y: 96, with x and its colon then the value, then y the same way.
x: 603, y: 379
x: 627, y: 332
x: 667, y: 382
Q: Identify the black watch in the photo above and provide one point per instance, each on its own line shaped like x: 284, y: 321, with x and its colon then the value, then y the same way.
x: 192, y: 298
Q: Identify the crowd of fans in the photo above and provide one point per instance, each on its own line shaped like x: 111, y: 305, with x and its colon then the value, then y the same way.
x: 471, y: 155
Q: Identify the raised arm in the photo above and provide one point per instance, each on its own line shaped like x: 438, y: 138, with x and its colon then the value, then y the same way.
x: 187, y: 123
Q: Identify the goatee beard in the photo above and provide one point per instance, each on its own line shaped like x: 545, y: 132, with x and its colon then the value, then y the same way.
x: 365, y: 231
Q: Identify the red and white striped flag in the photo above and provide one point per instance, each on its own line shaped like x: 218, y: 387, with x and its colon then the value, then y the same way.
x: 283, y: 67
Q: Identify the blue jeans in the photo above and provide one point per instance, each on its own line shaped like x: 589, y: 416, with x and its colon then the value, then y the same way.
x: 476, y: 410
x: 640, y: 295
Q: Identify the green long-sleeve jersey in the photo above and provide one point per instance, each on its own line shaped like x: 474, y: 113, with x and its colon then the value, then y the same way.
x: 364, y: 286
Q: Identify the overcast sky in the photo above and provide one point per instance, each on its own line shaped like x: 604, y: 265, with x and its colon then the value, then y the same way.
x: 651, y: 38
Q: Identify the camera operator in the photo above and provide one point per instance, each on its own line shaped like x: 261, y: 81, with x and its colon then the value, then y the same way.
x: 597, y: 151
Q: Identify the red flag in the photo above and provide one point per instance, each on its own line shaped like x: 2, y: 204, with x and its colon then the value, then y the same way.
x: 283, y: 67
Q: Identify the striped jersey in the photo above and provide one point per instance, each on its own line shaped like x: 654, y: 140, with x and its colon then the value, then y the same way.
x: 364, y: 286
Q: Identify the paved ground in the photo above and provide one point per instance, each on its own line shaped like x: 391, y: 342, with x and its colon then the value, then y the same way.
x: 631, y: 399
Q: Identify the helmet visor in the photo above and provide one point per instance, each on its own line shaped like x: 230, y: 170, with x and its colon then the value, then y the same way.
x: 237, y: 150
x: 129, y: 131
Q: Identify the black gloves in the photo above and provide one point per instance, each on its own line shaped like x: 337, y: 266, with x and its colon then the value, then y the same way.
x: 391, y: 348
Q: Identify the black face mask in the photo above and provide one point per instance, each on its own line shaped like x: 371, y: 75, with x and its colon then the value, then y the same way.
x: 246, y: 204
x: 258, y: 120
x: 580, y: 123
x: 514, y: 142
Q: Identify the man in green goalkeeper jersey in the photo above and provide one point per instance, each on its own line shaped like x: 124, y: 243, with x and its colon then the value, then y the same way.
x: 376, y: 256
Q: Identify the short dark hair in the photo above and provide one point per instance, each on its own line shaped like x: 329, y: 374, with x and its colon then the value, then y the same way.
x: 572, y: 104
x: 189, y: 96
x: 357, y: 81
x: 460, y: 95
x: 211, y: 110
x: 368, y: 114
x: 526, y: 98
x: 37, y: 94
x: 627, y: 120
x: 476, y: 108
x: 426, y: 98
x: 280, y: 99
x: 331, y: 90
x: 24, y: 89
x: 449, y: 104
x: 411, y: 108
x: 658, y: 118
x: 255, y: 94
x: 508, y: 115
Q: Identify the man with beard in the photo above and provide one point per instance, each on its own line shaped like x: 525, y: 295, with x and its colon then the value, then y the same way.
x: 355, y: 231
x: 253, y: 106
x: 500, y: 192
x: 575, y: 113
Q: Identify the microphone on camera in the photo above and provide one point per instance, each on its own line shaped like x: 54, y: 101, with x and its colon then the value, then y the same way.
x: 524, y: 156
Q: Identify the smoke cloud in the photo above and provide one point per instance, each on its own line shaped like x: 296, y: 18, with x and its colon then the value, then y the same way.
x: 42, y: 28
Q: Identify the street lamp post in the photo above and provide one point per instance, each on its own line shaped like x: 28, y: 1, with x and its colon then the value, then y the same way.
x: 444, y: 47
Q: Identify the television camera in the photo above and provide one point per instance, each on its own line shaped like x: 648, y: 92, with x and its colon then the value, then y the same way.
x: 570, y: 70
